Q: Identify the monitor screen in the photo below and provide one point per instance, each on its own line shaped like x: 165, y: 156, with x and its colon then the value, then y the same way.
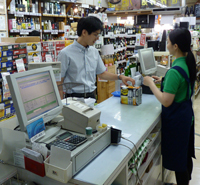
x: 147, y: 61
x: 35, y: 95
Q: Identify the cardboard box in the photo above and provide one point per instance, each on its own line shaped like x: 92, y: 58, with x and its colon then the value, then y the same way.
x: 5, y: 47
x: 35, y: 46
x: 33, y: 54
x: 19, y: 51
x: 131, y: 95
x: 20, y: 39
x: 48, y: 46
x: 6, y: 64
x: 68, y: 42
x: 5, y: 59
x: 19, y: 46
x: 60, y: 45
x: 21, y: 56
x: 52, y: 53
x: 6, y: 53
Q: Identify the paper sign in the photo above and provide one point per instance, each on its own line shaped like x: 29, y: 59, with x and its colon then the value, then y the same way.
x: 137, y: 39
x: 142, y: 39
x: 20, y: 65
x: 36, y: 59
x: 54, y: 32
x: 48, y: 58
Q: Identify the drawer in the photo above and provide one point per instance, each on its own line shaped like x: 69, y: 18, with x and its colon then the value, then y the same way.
x: 91, y: 151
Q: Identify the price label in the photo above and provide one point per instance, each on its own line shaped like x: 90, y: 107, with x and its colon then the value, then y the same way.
x: 48, y: 58
x: 111, y: 34
x: 19, y: 15
x: 54, y: 32
x: 36, y: 59
x: 24, y: 32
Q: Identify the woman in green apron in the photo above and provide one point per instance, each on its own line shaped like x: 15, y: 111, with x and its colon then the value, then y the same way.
x: 177, y: 116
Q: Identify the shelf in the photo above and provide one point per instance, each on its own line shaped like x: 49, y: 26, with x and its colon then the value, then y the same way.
x: 25, y: 32
x: 130, y: 46
x: 73, y: 37
x: 160, y: 53
x: 53, y: 15
x: 147, y: 175
x: 124, y: 35
x: 120, y: 62
x: 119, y: 49
x: 74, y: 17
x: 21, y: 14
x: 148, y: 147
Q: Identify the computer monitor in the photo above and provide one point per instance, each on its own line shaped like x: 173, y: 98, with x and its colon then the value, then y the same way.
x: 35, y: 95
x: 147, y: 61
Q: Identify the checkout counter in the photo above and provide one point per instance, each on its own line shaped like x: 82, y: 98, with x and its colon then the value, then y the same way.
x: 111, y: 165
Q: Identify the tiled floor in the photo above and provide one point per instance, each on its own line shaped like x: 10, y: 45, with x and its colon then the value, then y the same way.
x: 196, y: 162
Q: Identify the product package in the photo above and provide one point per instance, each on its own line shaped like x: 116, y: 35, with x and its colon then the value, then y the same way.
x: 131, y: 95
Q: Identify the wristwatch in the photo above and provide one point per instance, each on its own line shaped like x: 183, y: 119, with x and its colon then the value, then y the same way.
x: 118, y: 77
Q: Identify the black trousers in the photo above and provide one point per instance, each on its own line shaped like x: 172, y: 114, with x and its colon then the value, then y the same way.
x: 82, y: 95
x: 183, y: 178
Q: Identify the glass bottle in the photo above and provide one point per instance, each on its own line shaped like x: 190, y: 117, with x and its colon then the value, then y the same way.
x: 187, y: 13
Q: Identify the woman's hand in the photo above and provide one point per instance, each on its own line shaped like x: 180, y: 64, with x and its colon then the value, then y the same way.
x: 157, y: 79
x: 147, y: 80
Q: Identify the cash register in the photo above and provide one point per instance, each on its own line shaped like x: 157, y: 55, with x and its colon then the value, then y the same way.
x: 37, y: 101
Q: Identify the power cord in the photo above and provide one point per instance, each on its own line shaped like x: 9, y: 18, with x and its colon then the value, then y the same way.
x: 137, y: 175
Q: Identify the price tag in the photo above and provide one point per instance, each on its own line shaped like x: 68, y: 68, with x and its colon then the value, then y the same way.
x: 111, y: 34
x: 54, y: 32
x: 19, y: 15
x: 48, y: 58
x: 36, y: 59
x: 20, y: 65
x: 24, y: 32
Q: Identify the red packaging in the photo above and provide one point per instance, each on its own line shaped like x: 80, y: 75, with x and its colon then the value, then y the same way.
x: 48, y: 46
x: 34, y: 166
x: 60, y: 45
x: 52, y: 53
x: 19, y: 51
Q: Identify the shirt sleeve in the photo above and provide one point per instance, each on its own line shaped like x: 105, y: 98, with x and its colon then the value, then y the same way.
x: 172, y: 81
x: 64, y: 59
x: 100, y: 65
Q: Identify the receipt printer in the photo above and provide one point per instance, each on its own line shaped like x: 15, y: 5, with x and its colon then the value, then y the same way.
x: 78, y: 116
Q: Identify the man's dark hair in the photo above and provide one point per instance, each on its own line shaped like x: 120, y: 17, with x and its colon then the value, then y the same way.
x: 91, y: 24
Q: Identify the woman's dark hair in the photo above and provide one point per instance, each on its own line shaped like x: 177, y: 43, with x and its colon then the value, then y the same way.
x: 91, y: 24
x: 182, y: 38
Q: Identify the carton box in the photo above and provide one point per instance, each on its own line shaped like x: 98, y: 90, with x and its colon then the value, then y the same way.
x: 19, y: 46
x: 33, y: 54
x: 32, y: 47
x: 48, y: 46
x: 6, y: 47
x: 60, y: 45
x: 20, y: 39
x: 68, y: 42
x: 52, y: 53
x: 6, y: 64
x: 5, y: 59
x: 131, y: 95
x: 21, y: 56
x: 19, y: 51
x: 6, y: 53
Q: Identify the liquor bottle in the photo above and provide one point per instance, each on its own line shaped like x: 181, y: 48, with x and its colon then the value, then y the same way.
x: 187, y: 13
x: 191, y: 11
x: 29, y: 23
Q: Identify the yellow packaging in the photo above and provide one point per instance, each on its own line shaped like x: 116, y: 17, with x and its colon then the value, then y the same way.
x: 131, y: 95
x: 35, y: 46
x: 68, y: 42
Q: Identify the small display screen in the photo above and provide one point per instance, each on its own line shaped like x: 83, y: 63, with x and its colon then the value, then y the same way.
x: 64, y: 135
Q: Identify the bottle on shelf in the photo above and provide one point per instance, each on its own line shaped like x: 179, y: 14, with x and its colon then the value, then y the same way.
x: 187, y: 13
x: 191, y: 11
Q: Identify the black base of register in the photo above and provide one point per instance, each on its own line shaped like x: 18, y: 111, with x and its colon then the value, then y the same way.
x: 146, y: 90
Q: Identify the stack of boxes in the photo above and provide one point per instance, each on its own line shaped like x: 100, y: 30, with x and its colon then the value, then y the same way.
x: 19, y: 52
x: 33, y: 50
x: 50, y: 49
x: 6, y: 63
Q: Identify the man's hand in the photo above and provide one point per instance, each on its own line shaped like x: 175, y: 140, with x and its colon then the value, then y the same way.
x: 125, y: 79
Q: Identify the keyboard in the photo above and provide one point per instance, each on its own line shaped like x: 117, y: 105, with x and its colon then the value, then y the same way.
x: 76, y: 140
x: 61, y: 144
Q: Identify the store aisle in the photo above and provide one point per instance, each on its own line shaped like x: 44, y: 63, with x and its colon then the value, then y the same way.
x: 196, y: 170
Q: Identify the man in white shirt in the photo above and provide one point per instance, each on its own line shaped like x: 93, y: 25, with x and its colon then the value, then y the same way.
x: 81, y: 62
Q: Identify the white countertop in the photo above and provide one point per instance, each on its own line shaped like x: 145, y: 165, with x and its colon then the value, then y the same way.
x: 134, y: 120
